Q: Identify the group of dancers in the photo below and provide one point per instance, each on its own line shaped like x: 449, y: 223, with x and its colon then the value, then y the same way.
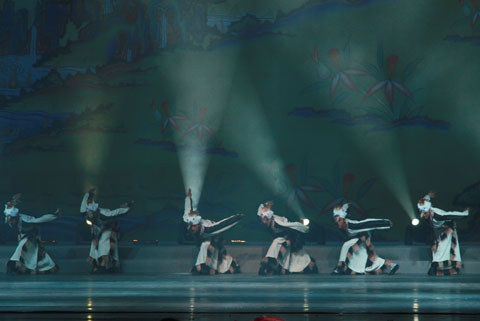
x: 286, y: 254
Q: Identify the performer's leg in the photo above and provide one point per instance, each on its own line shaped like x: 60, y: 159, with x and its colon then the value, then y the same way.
x: 204, y: 264
x: 311, y: 267
x: 378, y: 265
x: 341, y: 264
x: 269, y: 264
x: 282, y: 255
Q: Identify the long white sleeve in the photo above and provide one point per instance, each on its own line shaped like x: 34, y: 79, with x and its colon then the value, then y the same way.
x: 260, y: 209
x: 188, y: 207
x: 443, y: 213
x: 37, y: 220
x: 83, y: 205
x: 369, y: 224
x: 116, y: 212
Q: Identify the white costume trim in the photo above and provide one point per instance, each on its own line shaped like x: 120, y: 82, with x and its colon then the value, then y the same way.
x: 12, y: 211
x: 30, y: 257
x: 283, y: 221
x: 224, y: 265
x: 342, y: 212
x: 187, y: 217
x: 290, y: 261
x: 427, y: 203
x: 264, y: 211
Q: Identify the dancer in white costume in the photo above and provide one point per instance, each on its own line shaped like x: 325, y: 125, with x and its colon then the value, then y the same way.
x: 446, y: 259
x: 105, y: 233
x: 212, y: 257
x: 30, y: 256
x: 286, y: 253
x: 358, y: 255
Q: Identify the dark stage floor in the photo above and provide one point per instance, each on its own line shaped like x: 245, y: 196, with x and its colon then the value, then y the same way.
x: 210, y: 297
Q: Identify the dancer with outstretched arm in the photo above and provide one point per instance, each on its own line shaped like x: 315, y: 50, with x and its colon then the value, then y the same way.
x: 358, y: 255
x: 30, y: 257
x: 446, y: 258
x: 105, y: 233
x: 212, y: 256
x: 286, y: 253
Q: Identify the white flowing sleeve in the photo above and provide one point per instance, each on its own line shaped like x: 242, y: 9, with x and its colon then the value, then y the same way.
x: 116, y: 212
x: 444, y: 215
x: 188, y: 207
x: 260, y: 209
x: 37, y: 220
x: 83, y: 205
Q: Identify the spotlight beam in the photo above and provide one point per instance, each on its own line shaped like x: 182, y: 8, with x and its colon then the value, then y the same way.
x: 204, y: 83
x: 251, y: 135
x: 383, y: 152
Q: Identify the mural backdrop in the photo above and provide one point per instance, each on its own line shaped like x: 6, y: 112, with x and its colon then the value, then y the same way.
x: 306, y: 102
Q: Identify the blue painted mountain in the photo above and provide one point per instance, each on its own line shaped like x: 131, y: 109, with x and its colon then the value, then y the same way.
x: 345, y: 118
x: 172, y: 147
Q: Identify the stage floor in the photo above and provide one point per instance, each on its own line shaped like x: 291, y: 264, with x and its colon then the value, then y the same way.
x: 184, y: 295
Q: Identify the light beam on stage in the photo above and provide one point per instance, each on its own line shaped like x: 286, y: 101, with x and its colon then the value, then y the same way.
x: 193, y: 165
x: 382, y: 151
x: 250, y: 134
x: 203, y: 81
x: 91, y: 150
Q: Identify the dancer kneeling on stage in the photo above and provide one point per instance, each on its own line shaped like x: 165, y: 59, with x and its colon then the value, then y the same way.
x: 357, y: 255
x: 29, y: 257
x: 286, y: 253
x: 212, y: 257
x: 105, y: 232
x: 446, y: 259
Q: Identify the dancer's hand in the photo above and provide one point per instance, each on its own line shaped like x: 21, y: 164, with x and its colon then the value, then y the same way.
x: 391, y: 223
x: 58, y: 213
x: 241, y: 215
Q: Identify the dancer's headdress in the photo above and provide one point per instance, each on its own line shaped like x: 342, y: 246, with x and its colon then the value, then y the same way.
x: 262, y: 213
x: 92, y: 206
x: 10, y: 209
x: 340, y: 211
x: 425, y: 203
x: 192, y: 219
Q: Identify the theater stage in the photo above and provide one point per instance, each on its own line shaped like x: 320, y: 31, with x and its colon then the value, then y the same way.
x: 243, y: 296
x: 153, y: 296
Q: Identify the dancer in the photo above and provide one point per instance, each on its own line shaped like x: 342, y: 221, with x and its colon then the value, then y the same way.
x: 286, y: 253
x: 446, y: 259
x: 357, y: 255
x: 30, y: 256
x: 104, y: 228
x: 212, y: 257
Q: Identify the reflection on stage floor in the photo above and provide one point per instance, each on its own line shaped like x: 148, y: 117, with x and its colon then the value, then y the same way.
x: 223, y: 297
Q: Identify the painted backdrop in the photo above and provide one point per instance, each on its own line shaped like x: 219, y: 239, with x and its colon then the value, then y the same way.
x: 306, y: 102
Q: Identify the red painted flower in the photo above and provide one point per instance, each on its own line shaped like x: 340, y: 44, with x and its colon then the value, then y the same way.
x: 389, y: 84
x: 199, y: 126
x: 348, y: 180
x: 342, y: 75
x: 300, y: 192
x: 314, y: 55
x: 169, y: 120
x: 476, y: 15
